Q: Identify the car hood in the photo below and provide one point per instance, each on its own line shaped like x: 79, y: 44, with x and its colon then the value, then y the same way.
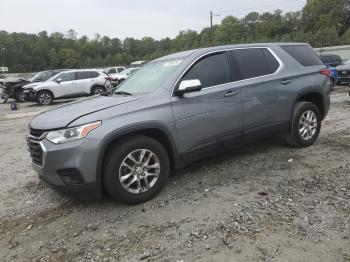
x: 36, y: 85
x: 343, y: 67
x: 62, y: 116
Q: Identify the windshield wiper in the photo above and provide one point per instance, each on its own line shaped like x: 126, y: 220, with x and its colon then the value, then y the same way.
x: 123, y: 93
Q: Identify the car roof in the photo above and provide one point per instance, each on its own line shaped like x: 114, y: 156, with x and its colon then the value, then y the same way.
x: 188, y: 53
x: 83, y: 70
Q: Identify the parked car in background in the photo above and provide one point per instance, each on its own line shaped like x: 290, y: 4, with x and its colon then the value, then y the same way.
x: 332, y: 61
x: 125, y: 74
x: 68, y: 84
x: 344, y: 73
x: 114, y: 70
x: 13, y: 88
x: 178, y: 109
x: 45, y: 75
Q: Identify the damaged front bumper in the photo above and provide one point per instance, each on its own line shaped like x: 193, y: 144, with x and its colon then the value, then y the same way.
x: 30, y: 94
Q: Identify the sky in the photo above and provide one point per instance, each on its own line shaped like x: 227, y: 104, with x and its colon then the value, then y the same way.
x: 127, y: 18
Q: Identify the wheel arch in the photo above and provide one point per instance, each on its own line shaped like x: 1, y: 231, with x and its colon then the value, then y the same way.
x: 314, y: 97
x: 45, y: 90
x: 155, y: 131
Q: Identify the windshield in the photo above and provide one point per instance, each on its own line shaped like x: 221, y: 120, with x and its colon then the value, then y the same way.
x: 42, y: 76
x: 150, y: 77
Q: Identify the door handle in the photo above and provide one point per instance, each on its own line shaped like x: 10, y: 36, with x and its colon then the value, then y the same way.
x: 231, y: 93
x: 286, y: 81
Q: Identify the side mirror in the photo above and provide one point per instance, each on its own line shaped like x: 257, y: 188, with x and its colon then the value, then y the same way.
x: 58, y: 80
x: 189, y: 86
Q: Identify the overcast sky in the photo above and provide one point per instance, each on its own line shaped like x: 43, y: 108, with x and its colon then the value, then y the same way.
x: 135, y: 18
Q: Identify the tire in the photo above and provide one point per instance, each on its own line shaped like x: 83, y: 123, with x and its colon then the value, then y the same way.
x: 20, y: 97
x: 299, y: 137
x: 44, y: 98
x: 115, y: 170
x: 96, y: 90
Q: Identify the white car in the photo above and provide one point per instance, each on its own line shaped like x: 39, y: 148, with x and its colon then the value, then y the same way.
x: 114, y: 70
x: 125, y: 74
x: 68, y: 84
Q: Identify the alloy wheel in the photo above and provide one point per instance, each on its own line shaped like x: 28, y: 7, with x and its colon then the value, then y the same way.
x: 308, y: 125
x: 45, y: 99
x: 139, y: 171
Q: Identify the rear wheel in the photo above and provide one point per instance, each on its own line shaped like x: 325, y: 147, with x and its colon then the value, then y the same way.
x: 44, y: 98
x: 306, y: 125
x: 136, y: 170
x: 96, y: 90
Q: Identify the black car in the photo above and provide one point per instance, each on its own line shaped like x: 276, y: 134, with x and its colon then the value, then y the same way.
x: 344, y: 73
x: 332, y: 60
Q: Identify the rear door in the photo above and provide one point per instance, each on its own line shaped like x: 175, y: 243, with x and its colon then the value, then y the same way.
x: 266, y: 106
x: 206, y: 119
x: 85, y: 80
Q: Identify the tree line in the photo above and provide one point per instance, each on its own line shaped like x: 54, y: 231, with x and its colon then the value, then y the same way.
x: 320, y: 23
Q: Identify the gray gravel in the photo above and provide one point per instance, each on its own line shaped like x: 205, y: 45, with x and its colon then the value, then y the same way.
x: 263, y: 202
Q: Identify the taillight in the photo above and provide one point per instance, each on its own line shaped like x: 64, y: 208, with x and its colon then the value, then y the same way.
x: 325, y: 72
x: 109, y: 78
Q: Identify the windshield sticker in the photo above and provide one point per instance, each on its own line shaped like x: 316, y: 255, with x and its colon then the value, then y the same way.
x: 173, y: 63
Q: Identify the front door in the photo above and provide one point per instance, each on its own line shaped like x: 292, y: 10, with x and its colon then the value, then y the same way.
x: 65, y: 85
x: 211, y: 118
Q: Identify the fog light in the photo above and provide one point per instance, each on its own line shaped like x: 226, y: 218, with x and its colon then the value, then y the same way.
x: 70, y: 176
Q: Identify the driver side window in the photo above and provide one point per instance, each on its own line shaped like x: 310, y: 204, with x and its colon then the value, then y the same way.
x: 212, y: 70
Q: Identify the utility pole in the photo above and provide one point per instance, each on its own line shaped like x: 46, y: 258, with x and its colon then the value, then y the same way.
x: 211, y: 25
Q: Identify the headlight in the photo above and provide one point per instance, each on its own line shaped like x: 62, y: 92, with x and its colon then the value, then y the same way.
x: 71, y: 134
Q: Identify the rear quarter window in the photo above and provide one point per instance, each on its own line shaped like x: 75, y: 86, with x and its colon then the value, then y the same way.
x: 304, y: 54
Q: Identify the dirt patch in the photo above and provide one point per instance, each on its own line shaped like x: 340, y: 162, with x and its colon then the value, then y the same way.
x: 262, y: 202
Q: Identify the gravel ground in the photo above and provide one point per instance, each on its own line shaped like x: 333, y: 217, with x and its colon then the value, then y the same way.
x: 263, y: 202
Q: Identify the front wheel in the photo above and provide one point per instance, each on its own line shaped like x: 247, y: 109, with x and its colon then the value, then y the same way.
x: 306, y: 125
x: 44, y: 98
x: 21, y: 97
x: 136, y: 169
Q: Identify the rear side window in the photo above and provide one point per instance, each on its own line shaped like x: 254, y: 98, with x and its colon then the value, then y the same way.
x: 255, y: 62
x: 211, y: 71
x: 304, y: 54
x: 332, y: 60
x: 112, y: 71
x: 86, y: 75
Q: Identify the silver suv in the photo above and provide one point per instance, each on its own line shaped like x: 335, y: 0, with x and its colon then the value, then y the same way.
x: 68, y: 84
x: 178, y: 109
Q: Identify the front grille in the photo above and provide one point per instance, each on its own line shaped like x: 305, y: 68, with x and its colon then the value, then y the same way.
x: 36, y: 152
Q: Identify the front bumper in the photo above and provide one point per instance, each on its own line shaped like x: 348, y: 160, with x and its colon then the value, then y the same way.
x: 30, y: 94
x: 69, y: 168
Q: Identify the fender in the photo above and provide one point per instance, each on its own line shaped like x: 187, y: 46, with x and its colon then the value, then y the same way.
x: 128, y: 130
x: 306, y: 91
